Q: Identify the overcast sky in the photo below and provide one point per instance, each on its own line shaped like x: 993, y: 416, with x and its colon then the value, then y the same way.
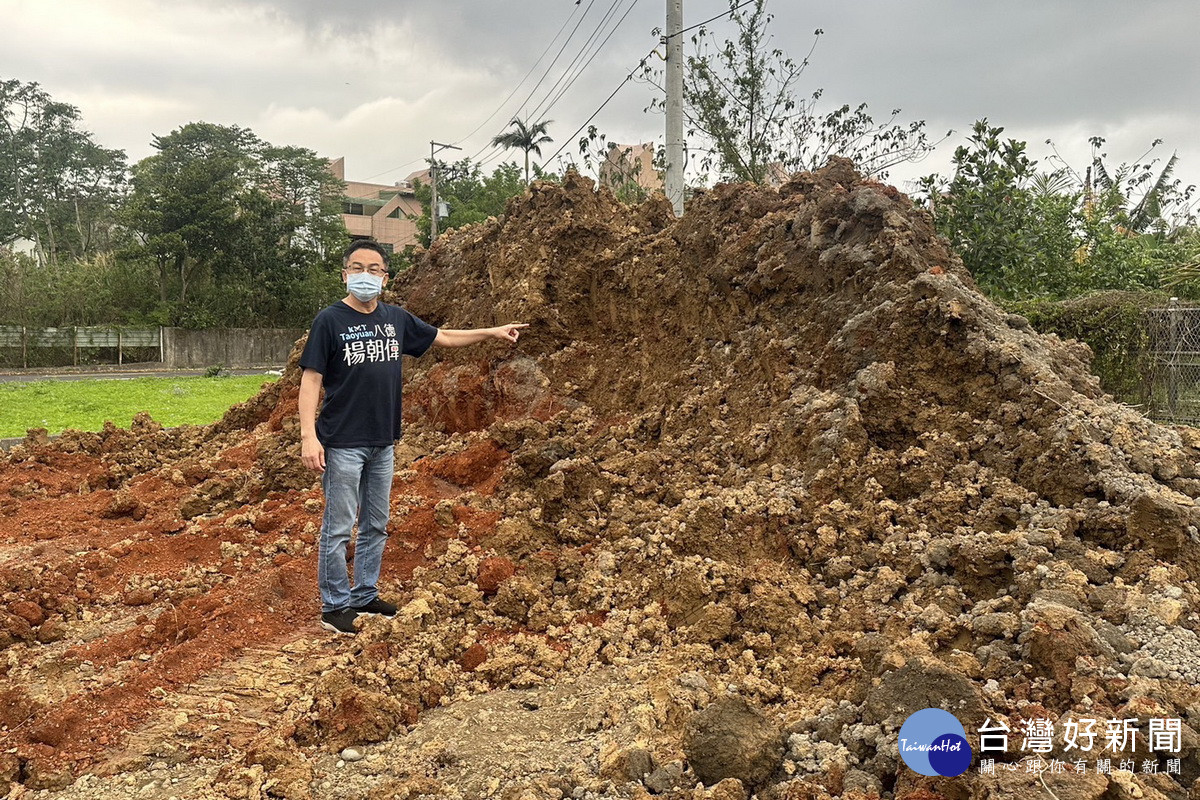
x: 376, y: 81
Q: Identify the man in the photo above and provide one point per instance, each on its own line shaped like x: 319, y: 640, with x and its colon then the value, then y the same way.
x: 353, y: 351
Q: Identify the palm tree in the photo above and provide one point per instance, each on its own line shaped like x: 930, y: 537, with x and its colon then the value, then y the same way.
x: 523, y: 138
x: 1149, y: 213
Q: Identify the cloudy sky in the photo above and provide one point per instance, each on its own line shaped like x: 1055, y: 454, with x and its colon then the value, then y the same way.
x: 376, y: 81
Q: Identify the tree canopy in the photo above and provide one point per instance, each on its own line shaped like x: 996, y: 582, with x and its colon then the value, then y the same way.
x: 1026, y: 231
x: 218, y: 206
x: 471, y: 195
x: 747, y: 122
x: 528, y: 138
x: 58, y: 188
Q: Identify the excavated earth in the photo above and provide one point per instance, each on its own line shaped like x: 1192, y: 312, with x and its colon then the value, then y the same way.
x: 754, y: 486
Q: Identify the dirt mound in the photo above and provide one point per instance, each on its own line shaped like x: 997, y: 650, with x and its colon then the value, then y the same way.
x: 778, y: 455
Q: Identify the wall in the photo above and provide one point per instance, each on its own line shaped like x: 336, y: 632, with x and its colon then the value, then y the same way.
x: 230, y: 347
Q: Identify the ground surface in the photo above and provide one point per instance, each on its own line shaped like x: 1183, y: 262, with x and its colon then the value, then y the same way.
x: 754, y: 486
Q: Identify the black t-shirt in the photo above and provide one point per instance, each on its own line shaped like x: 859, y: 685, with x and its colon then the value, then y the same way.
x: 358, y: 356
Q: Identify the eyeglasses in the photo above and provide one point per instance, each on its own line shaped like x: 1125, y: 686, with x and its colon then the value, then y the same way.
x: 358, y: 269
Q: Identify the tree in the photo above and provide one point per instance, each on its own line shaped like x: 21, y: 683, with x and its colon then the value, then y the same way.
x: 249, y: 224
x: 58, y: 188
x: 525, y: 138
x: 739, y: 99
x: 620, y: 167
x: 471, y: 195
x: 1026, y: 233
x: 1151, y: 203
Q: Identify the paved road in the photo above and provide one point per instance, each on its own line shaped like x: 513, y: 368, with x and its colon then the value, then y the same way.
x: 117, y: 375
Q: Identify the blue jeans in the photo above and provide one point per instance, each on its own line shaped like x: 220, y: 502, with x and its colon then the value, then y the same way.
x: 358, y: 486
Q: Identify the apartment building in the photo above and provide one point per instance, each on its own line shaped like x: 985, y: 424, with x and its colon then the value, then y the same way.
x: 630, y: 164
x: 387, y: 213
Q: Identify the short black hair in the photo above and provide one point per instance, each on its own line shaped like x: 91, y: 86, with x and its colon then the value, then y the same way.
x: 365, y: 244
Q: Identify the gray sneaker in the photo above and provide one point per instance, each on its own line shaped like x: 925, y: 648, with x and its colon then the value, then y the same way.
x: 340, y: 621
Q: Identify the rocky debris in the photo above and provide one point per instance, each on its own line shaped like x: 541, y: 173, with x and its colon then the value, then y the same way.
x: 665, y: 779
x: 779, y: 452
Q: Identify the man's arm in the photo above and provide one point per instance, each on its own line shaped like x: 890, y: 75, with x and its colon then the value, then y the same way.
x: 454, y: 338
x: 312, y: 453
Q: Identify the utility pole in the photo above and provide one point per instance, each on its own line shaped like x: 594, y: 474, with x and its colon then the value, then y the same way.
x: 433, y: 202
x: 674, y: 42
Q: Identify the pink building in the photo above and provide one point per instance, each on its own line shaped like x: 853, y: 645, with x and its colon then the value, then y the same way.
x: 631, y: 164
x: 387, y: 213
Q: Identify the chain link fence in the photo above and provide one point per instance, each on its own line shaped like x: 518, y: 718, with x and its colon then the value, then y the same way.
x: 1173, y: 360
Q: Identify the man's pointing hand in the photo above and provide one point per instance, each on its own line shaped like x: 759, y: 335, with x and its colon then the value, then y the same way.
x: 511, y: 331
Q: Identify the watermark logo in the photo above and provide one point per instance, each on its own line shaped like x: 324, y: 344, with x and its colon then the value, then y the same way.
x: 933, y: 742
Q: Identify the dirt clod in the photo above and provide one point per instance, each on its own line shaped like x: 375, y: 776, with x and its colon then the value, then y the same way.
x: 731, y: 739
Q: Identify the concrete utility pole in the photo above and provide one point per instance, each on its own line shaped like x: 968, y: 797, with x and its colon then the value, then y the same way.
x: 433, y: 202
x: 674, y: 42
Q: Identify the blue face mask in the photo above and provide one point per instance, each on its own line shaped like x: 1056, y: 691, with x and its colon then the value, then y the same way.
x: 364, y: 286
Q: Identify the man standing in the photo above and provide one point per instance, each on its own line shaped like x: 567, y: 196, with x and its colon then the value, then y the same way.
x: 353, y: 351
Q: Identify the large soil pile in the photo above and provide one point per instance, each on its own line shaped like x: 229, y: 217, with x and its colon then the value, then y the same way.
x: 755, y: 486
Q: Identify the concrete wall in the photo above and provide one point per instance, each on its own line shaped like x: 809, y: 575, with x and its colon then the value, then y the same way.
x: 230, y: 347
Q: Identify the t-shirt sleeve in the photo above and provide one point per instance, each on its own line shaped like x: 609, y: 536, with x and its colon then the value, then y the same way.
x: 316, y: 349
x: 418, y: 335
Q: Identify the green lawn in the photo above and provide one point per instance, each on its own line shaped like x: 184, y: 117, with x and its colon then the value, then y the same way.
x: 86, y: 404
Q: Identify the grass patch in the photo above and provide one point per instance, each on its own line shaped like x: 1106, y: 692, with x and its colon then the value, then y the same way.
x: 86, y: 404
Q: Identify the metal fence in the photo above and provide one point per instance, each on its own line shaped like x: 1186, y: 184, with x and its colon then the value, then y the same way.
x: 1174, y: 364
x: 46, y: 347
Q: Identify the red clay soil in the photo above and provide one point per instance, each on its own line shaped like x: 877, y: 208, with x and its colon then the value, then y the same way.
x: 115, y: 581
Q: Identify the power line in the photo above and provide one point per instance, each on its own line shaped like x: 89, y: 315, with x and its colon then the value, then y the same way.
x: 591, y: 38
x: 595, y: 53
x: 549, y: 45
x: 504, y: 102
x: 578, y: 56
x: 533, y: 91
x: 556, y: 57
x: 393, y: 169
x: 608, y: 100
x: 712, y: 19
x: 552, y: 98
x: 642, y: 64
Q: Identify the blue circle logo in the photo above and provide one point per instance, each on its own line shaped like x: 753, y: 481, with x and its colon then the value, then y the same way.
x: 933, y: 742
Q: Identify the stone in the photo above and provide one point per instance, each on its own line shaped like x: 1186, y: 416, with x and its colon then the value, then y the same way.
x: 728, y: 789
x: 1005, y: 785
x: 627, y: 764
x: 665, y: 778
x: 1055, y: 636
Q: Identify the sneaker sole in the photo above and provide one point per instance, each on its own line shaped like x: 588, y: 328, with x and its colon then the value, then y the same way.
x: 333, y: 629
x: 374, y: 614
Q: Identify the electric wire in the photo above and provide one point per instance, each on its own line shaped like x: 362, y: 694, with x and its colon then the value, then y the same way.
x: 608, y: 100
x: 595, y: 53
x: 489, y: 146
x: 551, y: 98
x: 537, y: 111
x: 514, y: 91
x: 497, y: 151
x: 504, y: 102
x: 641, y: 64
x: 712, y: 19
x: 556, y: 57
